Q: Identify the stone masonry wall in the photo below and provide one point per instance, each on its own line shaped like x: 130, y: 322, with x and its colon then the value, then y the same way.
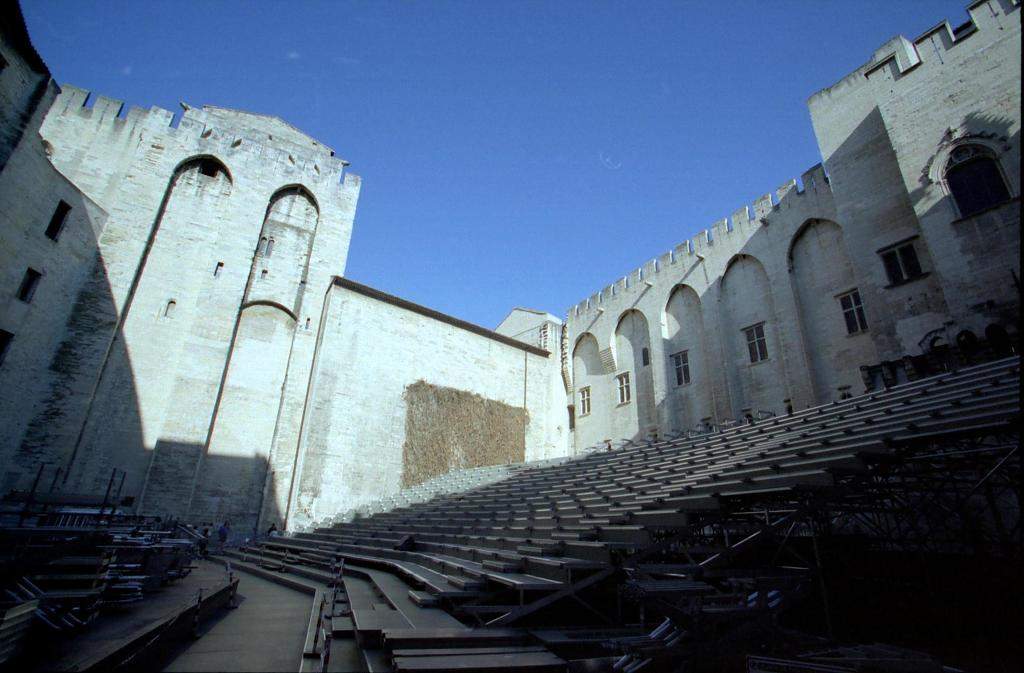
x: 136, y: 386
x: 372, y: 349
x: 885, y: 133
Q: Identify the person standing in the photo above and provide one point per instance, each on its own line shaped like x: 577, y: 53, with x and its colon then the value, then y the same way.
x: 222, y: 536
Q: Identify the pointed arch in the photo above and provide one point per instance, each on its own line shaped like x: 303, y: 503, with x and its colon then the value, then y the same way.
x: 753, y: 351
x: 631, y: 338
x: 689, y: 397
x: 825, y: 288
x: 294, y: 189
x: 206, y: 164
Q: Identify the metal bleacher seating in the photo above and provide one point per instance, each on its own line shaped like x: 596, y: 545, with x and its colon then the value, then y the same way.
x: 67, y: 559
x: 455, y: 481
x: 453, y: 578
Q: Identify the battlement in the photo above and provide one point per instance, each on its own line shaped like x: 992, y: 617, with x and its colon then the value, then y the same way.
x: 270, y: 138
x: 900, y: 56
x: 742, y: 224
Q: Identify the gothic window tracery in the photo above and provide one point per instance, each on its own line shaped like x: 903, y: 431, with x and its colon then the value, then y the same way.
x: 974, y: 179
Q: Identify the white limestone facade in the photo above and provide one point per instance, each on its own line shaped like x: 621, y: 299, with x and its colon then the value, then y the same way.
x: 890, y: 134
x: 176, y: 325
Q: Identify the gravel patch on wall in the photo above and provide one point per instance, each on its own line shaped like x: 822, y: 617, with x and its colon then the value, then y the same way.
x: 448, y: 429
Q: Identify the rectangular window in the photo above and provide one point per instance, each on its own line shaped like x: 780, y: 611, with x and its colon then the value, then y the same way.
x: 5, y: 343
x: 756, y: 343
x: 28, y: 285
x: 901, y: 263
x: 623, y: 383
x: 681, y: 365
x: 57, y: 221
x: 584, y: 401
x: 853, y: 312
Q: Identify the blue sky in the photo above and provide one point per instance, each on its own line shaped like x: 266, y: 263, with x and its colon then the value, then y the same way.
x: 512, y: 153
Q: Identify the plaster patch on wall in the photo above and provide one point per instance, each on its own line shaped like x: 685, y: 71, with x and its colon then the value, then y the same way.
x: 449, y: 429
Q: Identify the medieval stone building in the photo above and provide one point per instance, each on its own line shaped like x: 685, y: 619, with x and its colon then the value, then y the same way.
x: 904, y: 242
x: 175, y: 322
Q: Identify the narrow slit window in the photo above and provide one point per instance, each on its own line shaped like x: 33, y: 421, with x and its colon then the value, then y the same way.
x: 5, y: 343
x: 622, y: 381
x: 307, y: 324
x: 645, y: 356
x: 853, y: 312
x: 584, y: 401
x: 263, y: 274
x: 169, y: 308
x: 757, y: 345
x: 29, y: 283
x: 60, y: 215
x: 261, y: 247
x: 217, y: 269
x: 681, y: 367
x: 270, y: 247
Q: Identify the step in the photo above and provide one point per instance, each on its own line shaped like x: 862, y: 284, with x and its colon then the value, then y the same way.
x: 661, y: 518
x: 507, y: 662
x: 502, y: 566
x: 342, y: 627
x: 466, y: 583
x: 397, y: 639
x: 423, y: 598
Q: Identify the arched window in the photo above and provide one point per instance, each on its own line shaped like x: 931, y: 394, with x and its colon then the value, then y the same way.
x: 974, y: 179
x: 270, y: 247
x: 169, y: 308
x: 261, y: 247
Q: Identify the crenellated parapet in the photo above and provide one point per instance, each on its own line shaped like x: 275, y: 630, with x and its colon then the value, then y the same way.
x: 901, y: 56
x: 267, y: 138
x: 726, y: 235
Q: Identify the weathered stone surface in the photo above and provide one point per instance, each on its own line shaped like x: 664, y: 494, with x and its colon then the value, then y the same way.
x: 886, y: 132
x: 191, y: 329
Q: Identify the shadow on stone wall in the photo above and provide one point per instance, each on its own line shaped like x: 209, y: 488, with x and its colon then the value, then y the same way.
x: 83, y: 425
x: 987, y: 250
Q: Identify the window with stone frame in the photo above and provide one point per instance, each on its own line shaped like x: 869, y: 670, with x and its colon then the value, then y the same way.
x: 974, y: 180
x: 901, y: 263
x: 757, y: 345
x: 853, y: 312
x: 681, y: 367
x: 622, y: 381
x: 584, y: 401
